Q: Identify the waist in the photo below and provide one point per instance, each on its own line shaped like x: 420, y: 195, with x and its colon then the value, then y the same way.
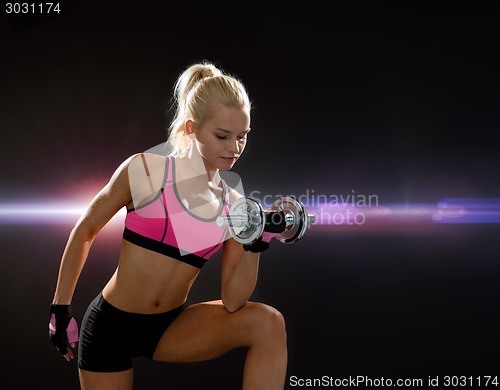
x: 104, y: 305
x: 148, y: 282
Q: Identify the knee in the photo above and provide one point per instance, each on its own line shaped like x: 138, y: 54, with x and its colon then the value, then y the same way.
x: 268, y: 322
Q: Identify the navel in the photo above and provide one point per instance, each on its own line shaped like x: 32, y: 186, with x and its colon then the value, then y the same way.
x: 157, y: 303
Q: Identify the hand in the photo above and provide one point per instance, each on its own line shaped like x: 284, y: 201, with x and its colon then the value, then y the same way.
x: 261, y: 244
x: 63, y: 329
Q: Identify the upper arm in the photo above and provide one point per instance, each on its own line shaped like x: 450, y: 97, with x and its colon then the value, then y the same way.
x: 231, y: 254
x: 110, y: 199
x: 231, y: 250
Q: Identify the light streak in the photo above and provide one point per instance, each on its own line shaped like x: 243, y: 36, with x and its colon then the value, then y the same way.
x: 333, y: 216
x: 45, y: 213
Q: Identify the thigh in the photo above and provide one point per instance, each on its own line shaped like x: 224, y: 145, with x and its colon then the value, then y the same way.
x: 104, y: 340
x: 106, y: 380
x: 206, y: 330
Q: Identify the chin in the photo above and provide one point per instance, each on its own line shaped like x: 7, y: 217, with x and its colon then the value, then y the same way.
x: 225, y: 167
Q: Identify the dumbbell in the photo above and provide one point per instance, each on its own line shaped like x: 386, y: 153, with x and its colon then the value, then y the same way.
x: 247, y: 220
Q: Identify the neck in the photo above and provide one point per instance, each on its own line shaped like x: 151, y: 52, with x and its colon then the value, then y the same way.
x: 193, y: 166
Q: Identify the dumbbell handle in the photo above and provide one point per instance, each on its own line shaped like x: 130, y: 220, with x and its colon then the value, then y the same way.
x: 241, y: 221
x: 290, y: 221
x: 234, y: 221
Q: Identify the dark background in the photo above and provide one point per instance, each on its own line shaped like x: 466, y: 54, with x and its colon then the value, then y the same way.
x: 397, y: 99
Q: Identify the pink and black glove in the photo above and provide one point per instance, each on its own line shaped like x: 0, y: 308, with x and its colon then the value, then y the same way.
x: 62, y: 327
x: 261, y: 244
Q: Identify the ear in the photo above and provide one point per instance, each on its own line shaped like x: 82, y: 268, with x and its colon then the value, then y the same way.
x: 190, y: 126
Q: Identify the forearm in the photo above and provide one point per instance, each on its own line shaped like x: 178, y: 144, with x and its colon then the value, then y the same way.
x: 242, y: 282
x: 72, y: 262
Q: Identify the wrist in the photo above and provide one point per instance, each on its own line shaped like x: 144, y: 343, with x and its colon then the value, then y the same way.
x: 257, y: 246
x: 60, y: 299
x: 60, y: 309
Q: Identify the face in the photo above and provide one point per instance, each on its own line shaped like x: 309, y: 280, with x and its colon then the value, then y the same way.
x: 222, y: 138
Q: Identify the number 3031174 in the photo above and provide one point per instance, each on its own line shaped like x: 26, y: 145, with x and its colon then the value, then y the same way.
x: 32, y: 8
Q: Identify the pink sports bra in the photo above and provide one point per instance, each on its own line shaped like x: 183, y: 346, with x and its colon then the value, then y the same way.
x: 166, y: 226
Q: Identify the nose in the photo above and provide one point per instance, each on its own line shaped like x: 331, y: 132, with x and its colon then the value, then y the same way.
x: 234, y: 146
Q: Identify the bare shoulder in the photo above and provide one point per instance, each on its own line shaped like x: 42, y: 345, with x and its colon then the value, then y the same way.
x: 146, y: 173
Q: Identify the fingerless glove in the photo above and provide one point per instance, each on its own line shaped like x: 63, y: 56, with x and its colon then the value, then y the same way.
x: 62, y: 327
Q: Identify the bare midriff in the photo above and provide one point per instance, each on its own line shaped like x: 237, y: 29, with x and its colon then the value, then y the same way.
x: 148, y: 282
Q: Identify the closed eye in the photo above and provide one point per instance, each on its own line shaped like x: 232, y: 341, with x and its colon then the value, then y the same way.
x: 223, y: 137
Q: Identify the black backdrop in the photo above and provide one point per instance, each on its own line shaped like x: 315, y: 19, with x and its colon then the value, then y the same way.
x: 397, y: 100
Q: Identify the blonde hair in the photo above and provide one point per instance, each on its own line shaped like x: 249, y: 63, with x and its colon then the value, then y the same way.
x: 197, y: 90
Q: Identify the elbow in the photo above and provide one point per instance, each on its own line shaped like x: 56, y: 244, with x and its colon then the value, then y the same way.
x: 83, y: 232
x: 232, y: 306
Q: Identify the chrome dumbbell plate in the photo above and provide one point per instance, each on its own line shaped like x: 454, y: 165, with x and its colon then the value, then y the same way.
x: 245, y: 220
x: 296, y: 217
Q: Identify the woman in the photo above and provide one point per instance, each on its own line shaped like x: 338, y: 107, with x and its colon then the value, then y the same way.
x: 170, y: 232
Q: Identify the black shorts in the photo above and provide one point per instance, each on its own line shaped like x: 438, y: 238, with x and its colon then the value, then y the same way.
x: 110, y: 337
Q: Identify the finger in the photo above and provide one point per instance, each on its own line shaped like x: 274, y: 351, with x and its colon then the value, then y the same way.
x: 69, y: 355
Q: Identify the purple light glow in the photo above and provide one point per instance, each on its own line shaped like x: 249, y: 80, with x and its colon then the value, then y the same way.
x: 404, y: 218
x: 468, y: 210
x: 452, y: 210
